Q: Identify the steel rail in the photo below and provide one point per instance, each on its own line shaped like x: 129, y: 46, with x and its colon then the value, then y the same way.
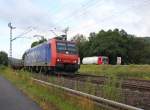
x: 107, y: 102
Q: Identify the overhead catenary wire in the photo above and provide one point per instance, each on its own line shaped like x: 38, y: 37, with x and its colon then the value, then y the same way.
x: 22, y: 34
x: 115, y: 14
x: 75, y: 12
x: 84, y: 6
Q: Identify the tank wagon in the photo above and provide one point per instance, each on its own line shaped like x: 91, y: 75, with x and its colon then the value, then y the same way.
x: 53, y: 55
x: 96, y: 60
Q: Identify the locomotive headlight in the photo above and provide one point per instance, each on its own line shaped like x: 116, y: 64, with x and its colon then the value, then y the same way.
x: 75, y: 61
x: 79, y: 61
x: 58, y: 60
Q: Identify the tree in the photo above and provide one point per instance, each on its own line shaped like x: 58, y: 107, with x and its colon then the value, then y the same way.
x: 81, y: 44
x: 3, y: 58
x: 79, y: 38
x: 110, y: 43
x: 38, y: 42
x: 113, y: 43
x: 139, y: 51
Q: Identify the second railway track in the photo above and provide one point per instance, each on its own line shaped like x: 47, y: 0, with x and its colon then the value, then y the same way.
x: 130, y: 83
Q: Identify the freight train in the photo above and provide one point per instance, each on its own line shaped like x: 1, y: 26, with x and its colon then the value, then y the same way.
x: 96, y: 60
x: 52, y: 56
x: 15, y: 63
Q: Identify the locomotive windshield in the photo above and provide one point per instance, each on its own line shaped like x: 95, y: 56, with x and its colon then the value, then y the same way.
x: 71, y: 47
x: 64, y: 47
x: 61, y: 47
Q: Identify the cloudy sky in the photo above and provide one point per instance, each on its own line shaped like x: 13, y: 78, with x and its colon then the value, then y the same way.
x: 38, y: 17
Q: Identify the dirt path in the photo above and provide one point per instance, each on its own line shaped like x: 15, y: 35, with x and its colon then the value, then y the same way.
x: 12, y: 99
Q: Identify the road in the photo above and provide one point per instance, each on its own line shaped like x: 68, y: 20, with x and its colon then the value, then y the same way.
x: 13, y: 99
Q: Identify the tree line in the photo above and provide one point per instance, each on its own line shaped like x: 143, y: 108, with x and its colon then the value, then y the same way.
x: 113, y: 43
x: 3, y: 58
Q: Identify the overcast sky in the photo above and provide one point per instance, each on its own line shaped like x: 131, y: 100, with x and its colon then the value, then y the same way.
x: 81, y: 16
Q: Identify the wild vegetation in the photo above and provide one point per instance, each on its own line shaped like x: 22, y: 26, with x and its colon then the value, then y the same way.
x: 113, y: 43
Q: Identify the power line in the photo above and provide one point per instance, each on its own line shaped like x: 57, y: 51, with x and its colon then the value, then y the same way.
x: 19, y: 36
x: 83, y: 7
x: 22, y: 34
x: 110, y: 17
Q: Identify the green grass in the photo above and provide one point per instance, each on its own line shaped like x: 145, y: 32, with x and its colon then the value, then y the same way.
x: 112, y: 90
x: 47, y: 97
x: 123, y: 71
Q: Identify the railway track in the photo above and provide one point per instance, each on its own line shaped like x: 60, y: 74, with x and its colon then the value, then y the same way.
x: 88, y: 78
x: 104, y: 103
x: 131, y: 88
x: 138, y: 84
x: 131, y: 83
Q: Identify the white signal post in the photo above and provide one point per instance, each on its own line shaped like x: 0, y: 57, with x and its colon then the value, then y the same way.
x: 12, y: 39
x: 11, y: 28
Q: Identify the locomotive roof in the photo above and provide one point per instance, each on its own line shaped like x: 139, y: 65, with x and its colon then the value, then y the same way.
x: 47, y: 42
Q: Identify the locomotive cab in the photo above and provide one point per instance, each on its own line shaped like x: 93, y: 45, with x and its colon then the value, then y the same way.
x: 66, y: 56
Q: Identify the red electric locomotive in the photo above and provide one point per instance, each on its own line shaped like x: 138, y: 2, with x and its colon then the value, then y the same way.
x: 54, y: 55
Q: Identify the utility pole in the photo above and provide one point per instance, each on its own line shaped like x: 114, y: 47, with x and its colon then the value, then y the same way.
x: 12, y: 39
x: 10, y: 49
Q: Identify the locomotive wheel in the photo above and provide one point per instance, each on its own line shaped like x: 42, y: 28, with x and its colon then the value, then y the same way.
x: 39, y: 69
